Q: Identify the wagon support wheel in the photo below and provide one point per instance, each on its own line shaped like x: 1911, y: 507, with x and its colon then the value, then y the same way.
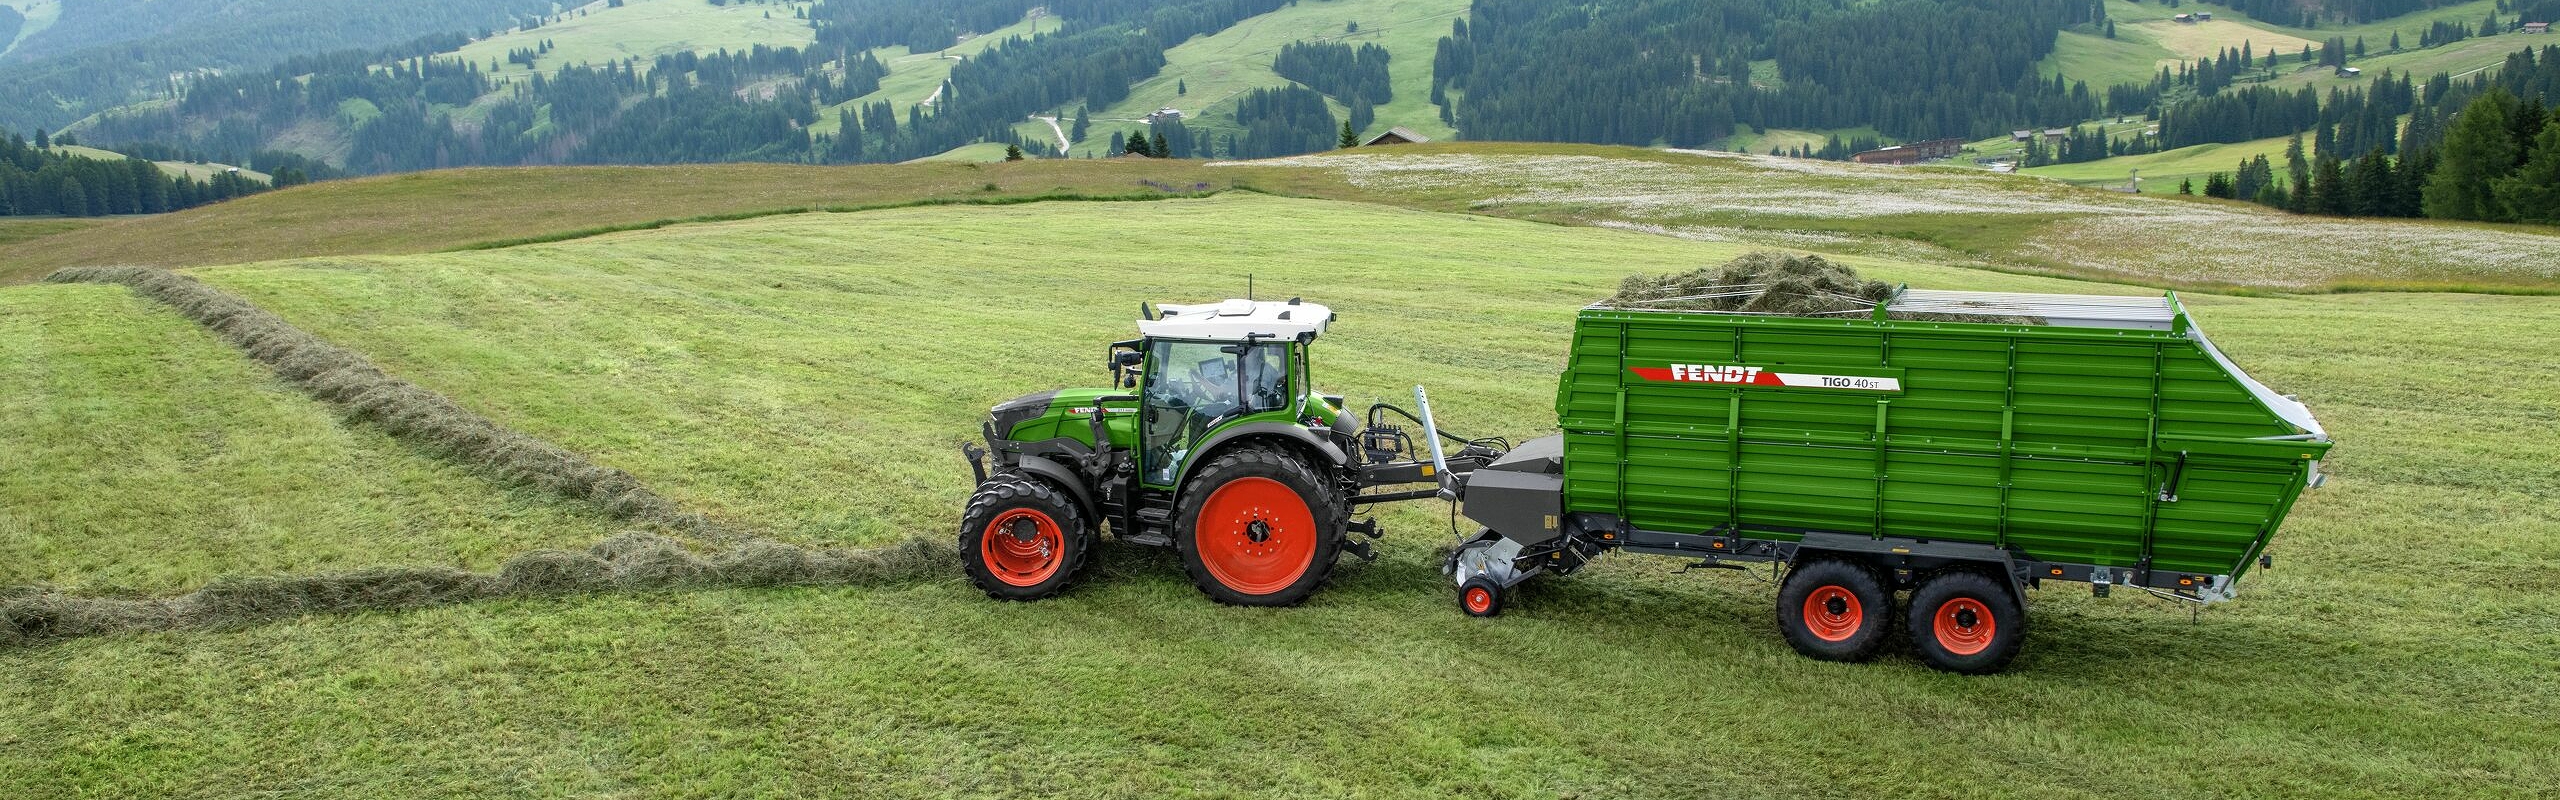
x: 1966, y: 622
x: 1834, y: 610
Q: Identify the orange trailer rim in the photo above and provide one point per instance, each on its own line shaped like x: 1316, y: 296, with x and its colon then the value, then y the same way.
x: 1023, y: 547
x: 1256, y: 536
x: 1832, y: 613
x: 1479, y: 599
x: 1964, y: 626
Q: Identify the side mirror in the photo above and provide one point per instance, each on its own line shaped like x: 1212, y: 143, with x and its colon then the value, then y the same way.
x: 1128, y: 358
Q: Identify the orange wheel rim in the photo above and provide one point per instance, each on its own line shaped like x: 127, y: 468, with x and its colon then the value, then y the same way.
x: 1478, y: 599
x: 1256, y: 535
x: 1964, y: 626
x: 1022, y: 547
x: 1832, y: 613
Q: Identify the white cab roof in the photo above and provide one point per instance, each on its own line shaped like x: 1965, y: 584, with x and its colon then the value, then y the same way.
x: 1237, y: 319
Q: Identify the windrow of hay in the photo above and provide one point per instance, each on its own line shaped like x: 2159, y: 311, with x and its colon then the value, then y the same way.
x: 346, y: 379
x: 628, y: 562
x: 631, y: 561
x: 1784, y: 284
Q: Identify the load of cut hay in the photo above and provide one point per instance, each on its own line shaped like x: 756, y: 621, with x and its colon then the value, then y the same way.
x: 1758, y: 283
x: 1786, y: 284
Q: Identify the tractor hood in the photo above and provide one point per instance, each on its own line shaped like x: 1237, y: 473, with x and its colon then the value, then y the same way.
x: 1006, y: 420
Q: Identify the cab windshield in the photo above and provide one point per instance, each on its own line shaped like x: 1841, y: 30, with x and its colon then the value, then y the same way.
x: 1192, y: 386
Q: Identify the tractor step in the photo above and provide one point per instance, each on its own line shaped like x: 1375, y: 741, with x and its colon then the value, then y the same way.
x: 1150, y: 538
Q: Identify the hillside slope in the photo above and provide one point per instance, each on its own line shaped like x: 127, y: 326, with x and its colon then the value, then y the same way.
x: 1944, y: 215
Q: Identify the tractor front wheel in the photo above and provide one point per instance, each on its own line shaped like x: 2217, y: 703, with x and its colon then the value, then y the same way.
x: 1259, y: 528
x: 1021, y: 539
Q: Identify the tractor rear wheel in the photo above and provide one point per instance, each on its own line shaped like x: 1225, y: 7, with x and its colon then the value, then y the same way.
x: 1259, y: 527
x: 1966, y: 622
x: 1834, y: 610
x: 1022, y: 539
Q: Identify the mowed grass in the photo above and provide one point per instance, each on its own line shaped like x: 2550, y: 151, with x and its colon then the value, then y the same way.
x: 818, y: 326
x: 2401, y: 647
x: 643, y: 30
x: 143, y: 455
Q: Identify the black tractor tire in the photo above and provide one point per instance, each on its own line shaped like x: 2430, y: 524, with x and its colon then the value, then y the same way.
x: 1835, y: 610
x: 1966, y: 622
x: 1272, y: 528
x: 1022, y: 539
x: 1481, y: 597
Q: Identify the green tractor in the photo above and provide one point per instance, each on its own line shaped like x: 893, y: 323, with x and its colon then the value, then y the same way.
x: 1224, y: 451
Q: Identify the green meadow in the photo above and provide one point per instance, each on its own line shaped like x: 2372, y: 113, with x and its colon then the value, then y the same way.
x: 812, y: 375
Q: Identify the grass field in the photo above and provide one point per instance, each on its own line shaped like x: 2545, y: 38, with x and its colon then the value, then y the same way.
x: 184, y: 169
x: 1743, y: 140
x: 419, y: 212
x: 641, y: 29
x: 914, y: 77
x: 1217, y: 67
x: 147, y: 456
x: 982, y: 153
x: 1950, y: 215
x: 772, y: 370
x: 14, y: 230
x: 39, y: 15
x: 2161, y: 171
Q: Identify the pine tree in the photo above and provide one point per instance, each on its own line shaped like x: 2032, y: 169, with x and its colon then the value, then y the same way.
x: 1076, y: 134
x: 2329, y: 188
x: 2477, y: 152
x: 2533, y: 193
x: 2187, y: 186
x: 1160, y: 149
x: 1117, y: 146
x: 1138, y: 145
x: 1013, y: 152
x: 2395, y: 41
x: 1350, y: 138
x: 43, y: 140
x: 69, y: 199
x: 1181, y: 87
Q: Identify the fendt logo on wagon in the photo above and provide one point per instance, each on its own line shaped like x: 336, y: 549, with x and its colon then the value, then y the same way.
x: 1762, y: 376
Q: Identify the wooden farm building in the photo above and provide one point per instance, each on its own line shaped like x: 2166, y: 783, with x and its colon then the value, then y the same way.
x: 1397, y: 135
x: 1912, y: 152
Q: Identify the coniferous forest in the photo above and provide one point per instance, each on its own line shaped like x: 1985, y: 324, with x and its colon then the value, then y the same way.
x: 1683, y: 73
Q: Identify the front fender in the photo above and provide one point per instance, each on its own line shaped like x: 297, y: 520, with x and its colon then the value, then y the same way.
x: 1064, y: 478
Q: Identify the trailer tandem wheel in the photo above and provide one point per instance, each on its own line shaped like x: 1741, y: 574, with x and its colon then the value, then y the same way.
x: 1966, y: 622
x: 1834, y: 610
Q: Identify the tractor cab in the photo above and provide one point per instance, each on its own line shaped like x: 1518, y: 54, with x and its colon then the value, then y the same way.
x: 1202, y: 366
x: 1212, y: 440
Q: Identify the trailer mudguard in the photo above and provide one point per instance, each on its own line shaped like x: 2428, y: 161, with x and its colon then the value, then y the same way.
x: 1915, y: 555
